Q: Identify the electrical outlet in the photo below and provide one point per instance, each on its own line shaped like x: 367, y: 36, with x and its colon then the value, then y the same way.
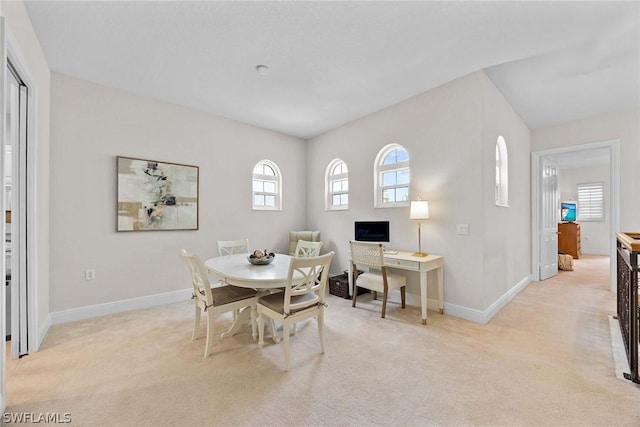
x: 90, y: 274
x: 463, y: 229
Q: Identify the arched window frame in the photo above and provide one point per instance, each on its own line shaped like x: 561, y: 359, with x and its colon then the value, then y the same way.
x: 398, y: 187
x: 502, y: 173
x: 337, y: 186
x: 266, y: 186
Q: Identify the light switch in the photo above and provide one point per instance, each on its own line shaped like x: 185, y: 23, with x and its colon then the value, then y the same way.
x: 463, y: 229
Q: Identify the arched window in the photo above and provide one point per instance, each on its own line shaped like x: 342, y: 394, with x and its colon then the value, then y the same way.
x: 337, y: 186
x: 267, y: 186
x: 392, y: 177
x: 502, y: 173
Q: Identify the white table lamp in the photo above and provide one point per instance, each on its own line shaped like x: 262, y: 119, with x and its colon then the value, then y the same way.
x: 419, y: 211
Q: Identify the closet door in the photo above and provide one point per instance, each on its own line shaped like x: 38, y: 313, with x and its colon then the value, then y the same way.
x: 16, y: 108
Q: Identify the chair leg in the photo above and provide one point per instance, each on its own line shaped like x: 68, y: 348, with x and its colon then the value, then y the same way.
x: 285, y: 335
x: 209, y: 343
x: 355, y: 295
x: 403, y: 296
x: 375, y: 295
x: 384, y: 302
x: 320, y: 319
x: 274, y: 331
x: 196, y: 323
x: 260, y: 330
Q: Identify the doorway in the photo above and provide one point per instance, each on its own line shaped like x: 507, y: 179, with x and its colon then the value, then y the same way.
x: 574, y: 154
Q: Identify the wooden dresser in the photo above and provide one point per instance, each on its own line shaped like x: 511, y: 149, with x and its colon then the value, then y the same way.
x: 569, y: 239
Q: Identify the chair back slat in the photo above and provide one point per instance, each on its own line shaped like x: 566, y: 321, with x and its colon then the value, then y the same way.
x: 367, y: 254
x: 307, y: 276
x: 199, y: 277
x: 231, y: 247
x: 306, y: 249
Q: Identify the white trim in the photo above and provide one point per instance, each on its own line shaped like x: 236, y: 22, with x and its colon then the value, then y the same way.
x: 614, y: 201
x: 149, y: 301
x: 43, y: 330
x: 485, y: 316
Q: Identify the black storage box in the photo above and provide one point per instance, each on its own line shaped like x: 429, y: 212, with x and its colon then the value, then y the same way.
x: 339, y: 286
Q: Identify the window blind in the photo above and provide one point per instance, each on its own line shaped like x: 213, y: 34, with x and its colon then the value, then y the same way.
x: 591, y: 201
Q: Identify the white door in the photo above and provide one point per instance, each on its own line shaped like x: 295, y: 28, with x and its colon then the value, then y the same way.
x: 549, y: 220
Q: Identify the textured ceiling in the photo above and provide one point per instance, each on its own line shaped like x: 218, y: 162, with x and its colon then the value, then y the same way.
x: 333, y: 62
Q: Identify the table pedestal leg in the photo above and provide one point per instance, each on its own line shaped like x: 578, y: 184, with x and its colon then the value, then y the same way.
x: 241, y: 319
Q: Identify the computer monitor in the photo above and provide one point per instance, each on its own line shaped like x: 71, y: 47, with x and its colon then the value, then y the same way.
x: 371, y: 231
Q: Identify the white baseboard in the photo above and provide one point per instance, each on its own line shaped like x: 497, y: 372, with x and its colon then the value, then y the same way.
x: 483, y: 317
x: 42, y: 331
x: 119, y: 306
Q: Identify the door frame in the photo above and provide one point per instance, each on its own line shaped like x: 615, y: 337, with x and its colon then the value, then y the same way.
x: 613, y: 207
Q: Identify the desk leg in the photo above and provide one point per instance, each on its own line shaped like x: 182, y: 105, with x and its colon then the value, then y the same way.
x: 423, y: 296
x: 441, y: 289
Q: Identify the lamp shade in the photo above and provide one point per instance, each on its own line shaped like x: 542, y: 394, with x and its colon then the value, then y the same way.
x: 419, y: 209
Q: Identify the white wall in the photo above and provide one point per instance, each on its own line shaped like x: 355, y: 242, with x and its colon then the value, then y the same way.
x: 506, y: 248
x: 25, y: 48
x: 443, y: 132
x: 594, y: 234
x: 623, y: 126
x: 90, y: 126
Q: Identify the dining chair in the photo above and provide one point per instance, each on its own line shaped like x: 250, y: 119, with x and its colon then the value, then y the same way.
x: 215, y: 300
x: 305, y: 249
x: 377, y: 278
x: 303, y: 298
x: 230, y: 247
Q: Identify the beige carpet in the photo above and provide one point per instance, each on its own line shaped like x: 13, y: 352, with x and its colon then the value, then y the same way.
x: 544, y: 360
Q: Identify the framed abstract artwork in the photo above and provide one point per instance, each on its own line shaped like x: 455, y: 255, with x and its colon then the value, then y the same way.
x: 155, y: 195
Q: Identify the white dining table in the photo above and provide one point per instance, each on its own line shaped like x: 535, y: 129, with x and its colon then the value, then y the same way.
x: 236, y: 270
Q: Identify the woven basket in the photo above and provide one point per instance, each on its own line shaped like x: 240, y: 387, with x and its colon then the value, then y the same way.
x: 339, y: 286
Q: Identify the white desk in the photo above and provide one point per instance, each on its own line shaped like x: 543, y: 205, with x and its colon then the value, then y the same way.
x: 406, y: 261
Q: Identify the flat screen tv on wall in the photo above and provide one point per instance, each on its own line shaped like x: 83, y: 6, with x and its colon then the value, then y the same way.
x: 371, y: 231
x: 568, y: 211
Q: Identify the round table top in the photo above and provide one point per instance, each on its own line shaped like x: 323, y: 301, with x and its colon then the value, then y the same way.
x: 236, y: 270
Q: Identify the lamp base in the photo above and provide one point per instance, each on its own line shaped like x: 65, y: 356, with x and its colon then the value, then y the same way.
x: 420, y: 254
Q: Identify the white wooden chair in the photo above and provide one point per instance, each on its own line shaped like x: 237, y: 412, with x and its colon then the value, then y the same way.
x: 230, y: 247
x: 377, y: 279
x: 215, y: 300
x: 303, y: 298
x: 306, y: 249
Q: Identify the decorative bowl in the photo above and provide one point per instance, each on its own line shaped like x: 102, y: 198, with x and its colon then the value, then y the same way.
x: 261, y: 261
